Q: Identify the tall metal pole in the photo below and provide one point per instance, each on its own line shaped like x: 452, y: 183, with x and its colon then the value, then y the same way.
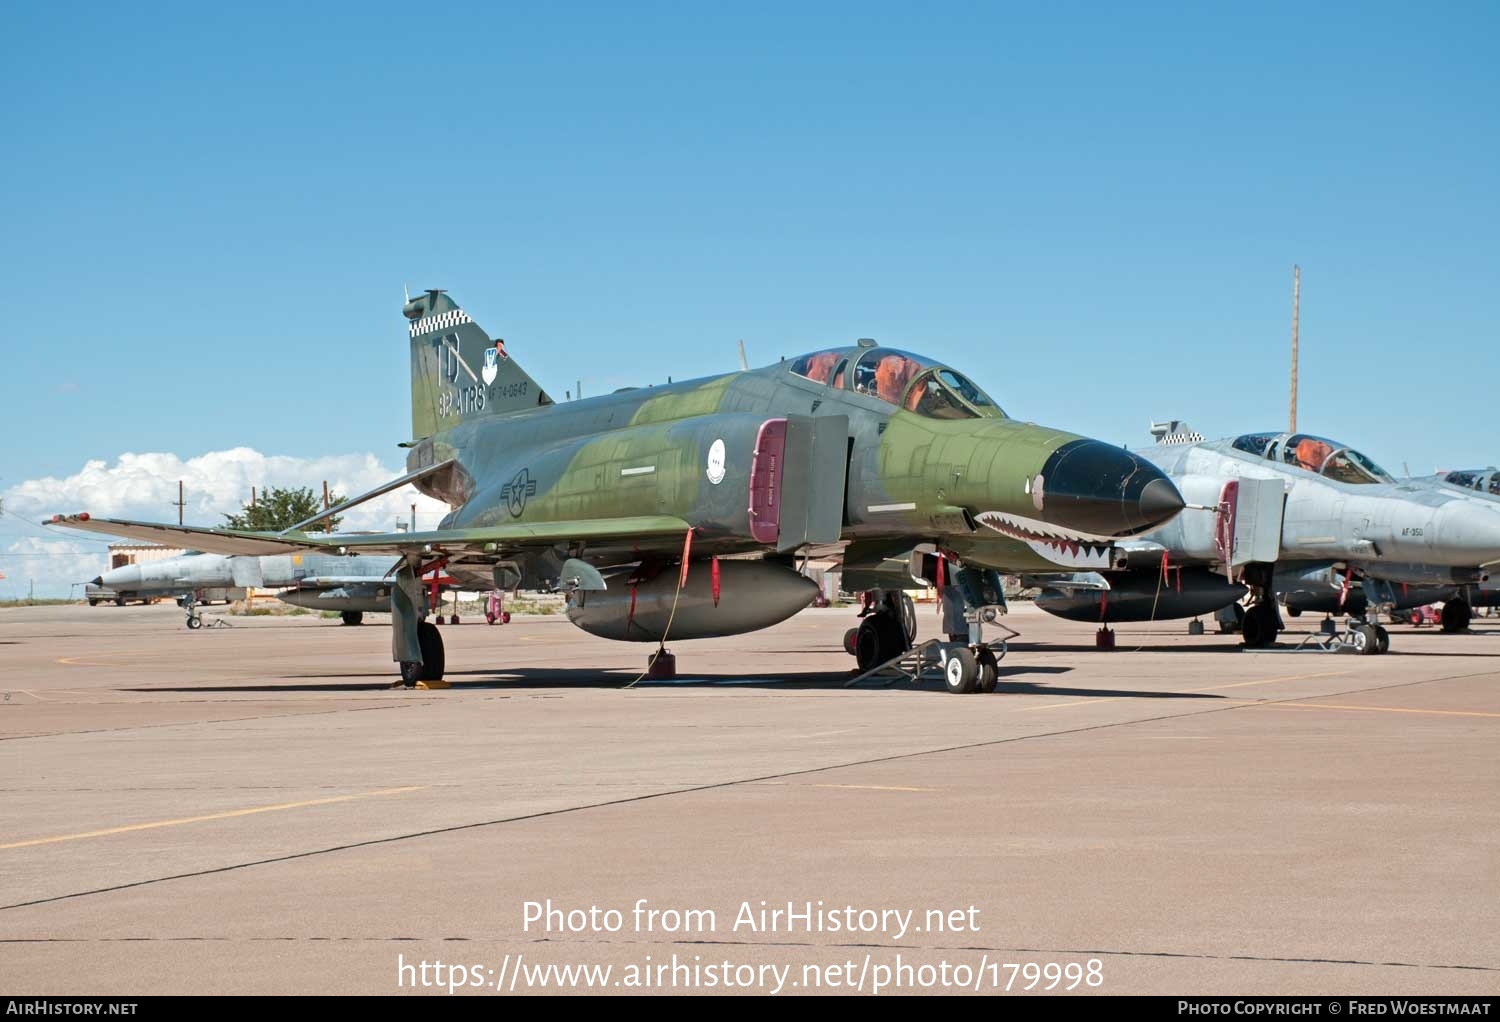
x: 1296, y: 301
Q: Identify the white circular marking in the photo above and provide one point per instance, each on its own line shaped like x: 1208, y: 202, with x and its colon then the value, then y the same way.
x: 716, y: 462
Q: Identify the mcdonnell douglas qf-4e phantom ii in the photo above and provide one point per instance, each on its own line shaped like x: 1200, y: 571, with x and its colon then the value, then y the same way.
x: 350, y: 585
x: 1295, y: 504
x: 1459, y: 591
x: 678, y: 511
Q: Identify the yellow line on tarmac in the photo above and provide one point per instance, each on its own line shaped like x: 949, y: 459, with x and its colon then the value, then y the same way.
x: 82, y: 660
x: 1386, y: 709
x: 1268, y: 681
x: 1211, y: 688
x: 1075, y: 702
x: 210, y: 816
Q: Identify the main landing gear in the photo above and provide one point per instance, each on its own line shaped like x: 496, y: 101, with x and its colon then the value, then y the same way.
x: 416, y: 643
x: 887, y: 631
x: 352, y: 617
x: 1456, y: 616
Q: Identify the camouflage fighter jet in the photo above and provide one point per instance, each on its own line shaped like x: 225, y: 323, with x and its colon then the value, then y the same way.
x: 677, y: 511
x: 1281, y: 502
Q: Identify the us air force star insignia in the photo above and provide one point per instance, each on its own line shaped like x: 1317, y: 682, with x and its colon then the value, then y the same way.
x: 515, y: 492
x: 491, y: 366
x: 716, y: 462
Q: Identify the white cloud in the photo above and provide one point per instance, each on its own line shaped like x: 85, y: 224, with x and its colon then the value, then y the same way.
x: 52, y: 564
x: 144, y: 486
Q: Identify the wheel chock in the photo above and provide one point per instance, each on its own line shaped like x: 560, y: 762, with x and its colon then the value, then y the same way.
x: 433, y: 685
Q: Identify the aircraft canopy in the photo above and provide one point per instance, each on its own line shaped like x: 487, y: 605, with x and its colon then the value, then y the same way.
x: 1325, y: 457
x: 1485, y: 480
x: 913, y: 382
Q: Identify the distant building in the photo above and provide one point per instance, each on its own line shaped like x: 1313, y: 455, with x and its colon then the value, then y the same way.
x: 121, y: 554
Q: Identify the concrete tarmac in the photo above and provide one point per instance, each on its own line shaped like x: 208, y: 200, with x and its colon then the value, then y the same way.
x: 253, y: 809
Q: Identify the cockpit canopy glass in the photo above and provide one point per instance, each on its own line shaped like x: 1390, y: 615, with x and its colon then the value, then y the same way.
x: 817, y: 366
x: 1468, y: 480
x: 1327, y: 458
x: 1255, y: 443
x: 900, y: 378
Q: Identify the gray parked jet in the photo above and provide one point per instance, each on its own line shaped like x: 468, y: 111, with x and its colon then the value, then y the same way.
x: 1269, y: 501
x: 1377, y: 592
x: 1485, y: 481
x: 350, y: 585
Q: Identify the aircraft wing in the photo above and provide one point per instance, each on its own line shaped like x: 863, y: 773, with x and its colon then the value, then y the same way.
x: 644, y: 530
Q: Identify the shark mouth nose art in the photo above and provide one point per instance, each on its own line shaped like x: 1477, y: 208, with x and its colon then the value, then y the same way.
x: 1058, y: 545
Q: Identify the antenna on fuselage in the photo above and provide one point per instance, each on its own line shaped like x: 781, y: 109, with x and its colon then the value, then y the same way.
x: 1296, y: 301
x: 744, y: 362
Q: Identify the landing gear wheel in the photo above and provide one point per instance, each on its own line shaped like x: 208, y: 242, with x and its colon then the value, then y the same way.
x: 353, y: 617
x: 909, y: 618
x: 1365, y: 641
x: 880, y: 639
x: 1259, y: 627
x: 850, y: 642
x: 431, y: 643
x: 989, y: 671
x: 1294, y: 612
x: 961, y: 672
x: 195, y: 622
x: 1456, y: 616
x: 1382, y: 640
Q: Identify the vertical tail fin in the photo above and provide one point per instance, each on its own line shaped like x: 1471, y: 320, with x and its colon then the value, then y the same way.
x: 457, y: 371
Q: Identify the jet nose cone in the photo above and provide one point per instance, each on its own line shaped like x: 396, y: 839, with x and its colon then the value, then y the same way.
x: 1096, y: 488
x: 121, y: 578
x: 97, y: 580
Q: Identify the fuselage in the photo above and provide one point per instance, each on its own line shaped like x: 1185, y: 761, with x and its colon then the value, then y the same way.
x: 697, y: 450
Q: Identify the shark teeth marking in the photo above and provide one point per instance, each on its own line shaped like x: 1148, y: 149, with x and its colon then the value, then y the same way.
x: 1060, y: 546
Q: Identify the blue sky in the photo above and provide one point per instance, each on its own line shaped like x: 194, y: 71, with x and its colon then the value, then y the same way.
x: 210, y: 213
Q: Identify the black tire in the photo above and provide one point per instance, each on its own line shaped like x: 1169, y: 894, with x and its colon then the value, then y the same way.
x: 93, y: 603
x: 851, y: 645
x: 1382, y: 640
x: 909, y: 619
x: 880, y: 639
x: 352, y: 617
x: 431, y: 642
x: 961, y: 672
x: 195, y: 623
x: 119, y: 601
x: 1369, y: 641
x: 989, y: 671
x: 1294, y: 612
x: 1456, y: 616
x: 1416, y: 617
x: 1259, y: 627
